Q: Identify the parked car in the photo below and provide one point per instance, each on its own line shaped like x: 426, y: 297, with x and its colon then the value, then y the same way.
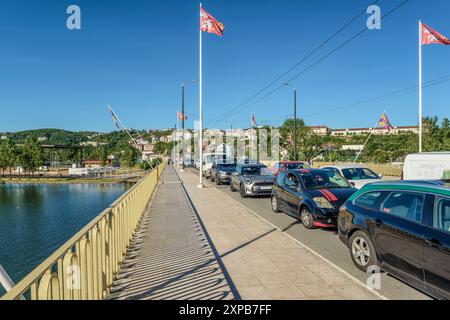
x: 426, y: 166
x: 288, y: 165
x: 404, y: 228
x: 209, y: 159
x: 357, y: 175
x: 312, y: 195
x: 221, y: 172
x: 252, y: 180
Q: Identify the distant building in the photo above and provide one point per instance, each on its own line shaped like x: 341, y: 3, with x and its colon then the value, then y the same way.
x: 40, y: 139
x: 320, y: 130
x: 377, y: 131
x: 3, y: 137
x: 94, y: 144
x: 353, y: 147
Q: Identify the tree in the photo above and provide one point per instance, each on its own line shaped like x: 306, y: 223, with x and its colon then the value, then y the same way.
x: 8, y: 155
x: 31, y: 156
x: 129, y: 156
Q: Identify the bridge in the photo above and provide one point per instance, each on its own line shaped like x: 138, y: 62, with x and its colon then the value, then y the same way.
x: 167, y: 239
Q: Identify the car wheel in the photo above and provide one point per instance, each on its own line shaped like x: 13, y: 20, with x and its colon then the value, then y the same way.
x: 274, y: 201
x: 307, y: 218
x: 362, y: 251
x: 218, y: 182
x: 242, y: 190
x: 232, y: 187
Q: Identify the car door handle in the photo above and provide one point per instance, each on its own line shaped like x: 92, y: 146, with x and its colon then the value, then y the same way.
x: 433, y: 243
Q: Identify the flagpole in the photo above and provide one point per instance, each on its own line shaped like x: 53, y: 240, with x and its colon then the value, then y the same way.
x: 420, y: 87
x: 367, y: 140
x: 128, y: 132
x: 201, y: 106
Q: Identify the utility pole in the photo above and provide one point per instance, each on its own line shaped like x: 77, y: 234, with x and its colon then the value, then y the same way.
x: 182, y: 122
x: 295, y: 124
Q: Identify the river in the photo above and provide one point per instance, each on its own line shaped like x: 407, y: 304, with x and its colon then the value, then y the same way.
x: 36, y: 219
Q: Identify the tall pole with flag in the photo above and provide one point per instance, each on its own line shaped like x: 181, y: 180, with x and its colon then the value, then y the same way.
x: 420, y: 87
x: 427, y: 35
x: 211, y: 25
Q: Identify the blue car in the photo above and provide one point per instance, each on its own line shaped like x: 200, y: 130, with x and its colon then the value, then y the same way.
x: 312, y: 195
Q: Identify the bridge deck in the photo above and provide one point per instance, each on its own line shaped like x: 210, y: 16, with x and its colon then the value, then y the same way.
x: 171, y: 256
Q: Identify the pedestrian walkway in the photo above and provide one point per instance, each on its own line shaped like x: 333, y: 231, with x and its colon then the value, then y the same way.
x: 202, y: 244
x: 262, y: 261
x: 170, y: 257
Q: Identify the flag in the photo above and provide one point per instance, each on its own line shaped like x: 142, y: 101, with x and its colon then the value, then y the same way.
x: 384, y: 122
x: 210, y: 24
x: 254, y: 120
x: 182, y: 116
x: 431, y: 36
x: 114, y: 118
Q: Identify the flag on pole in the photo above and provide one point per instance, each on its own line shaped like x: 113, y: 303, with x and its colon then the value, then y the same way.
x: 114, y: 118
x: 210, y: 24
x: 254, y: 120
x: 182, y: 116
x: 431, y: 36
x: 384, y: 122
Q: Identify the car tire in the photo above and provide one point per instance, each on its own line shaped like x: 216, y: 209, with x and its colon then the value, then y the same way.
x: 307, y: 218
x: 232, y: 187
x: 274, y: 202
x: 218, y: 182
x: 242, y: 191
x: 362, y: 251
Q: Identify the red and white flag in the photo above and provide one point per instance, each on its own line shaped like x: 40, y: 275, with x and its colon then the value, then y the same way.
x: 210, y: 24
x: 182, y: 116
x: 431, y: 36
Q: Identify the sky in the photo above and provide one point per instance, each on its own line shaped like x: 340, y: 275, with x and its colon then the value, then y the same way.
x: 134, y: 55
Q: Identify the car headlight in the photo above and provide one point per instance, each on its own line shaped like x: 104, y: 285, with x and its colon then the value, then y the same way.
x: 248, y: 181
x: 321, y: 202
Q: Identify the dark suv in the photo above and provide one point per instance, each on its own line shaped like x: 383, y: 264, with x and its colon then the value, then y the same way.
x: 221, y: 172
x: 404, y: 228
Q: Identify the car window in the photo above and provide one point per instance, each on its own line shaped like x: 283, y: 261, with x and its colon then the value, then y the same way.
x: 359, y: 174
x: 295, y: 166
x: 291, y: 180
x: 281, y: 178
x: 441, y: 219
x: 405, y: 205
x: 323, y: 179
x: 370, y: 200
x: 256, y: 171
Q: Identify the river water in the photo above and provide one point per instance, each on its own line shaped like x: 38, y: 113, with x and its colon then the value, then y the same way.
x: 36, y: 219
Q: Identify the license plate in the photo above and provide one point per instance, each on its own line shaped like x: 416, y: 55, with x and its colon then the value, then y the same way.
x: 266, y: 188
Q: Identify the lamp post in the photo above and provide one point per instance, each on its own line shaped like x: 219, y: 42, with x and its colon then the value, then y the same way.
x: 182, y: 117
x: 295, y: 119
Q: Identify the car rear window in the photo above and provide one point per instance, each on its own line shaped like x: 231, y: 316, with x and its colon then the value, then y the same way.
x: 294, y: 166
x: 405, y: 205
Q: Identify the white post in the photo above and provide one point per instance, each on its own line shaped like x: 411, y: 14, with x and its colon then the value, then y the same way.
x: 367, y: 140
x: 420, y: 87
x: 201, y: 108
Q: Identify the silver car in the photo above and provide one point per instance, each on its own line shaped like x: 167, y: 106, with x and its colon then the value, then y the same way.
x: 252, y: 180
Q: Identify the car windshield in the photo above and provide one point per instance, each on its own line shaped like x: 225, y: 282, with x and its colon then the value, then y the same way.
x: 256, y: 171
x: 323, y: 179
x: 295, y: 166
x: 359, y: 174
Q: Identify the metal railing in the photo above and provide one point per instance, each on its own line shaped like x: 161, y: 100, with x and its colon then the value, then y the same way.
x: 85, y: 266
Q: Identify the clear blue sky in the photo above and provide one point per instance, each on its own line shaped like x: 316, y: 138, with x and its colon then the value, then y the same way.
x: 135, y: 54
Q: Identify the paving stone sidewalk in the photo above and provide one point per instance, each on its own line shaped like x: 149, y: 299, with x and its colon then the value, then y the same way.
x: 262, y: 262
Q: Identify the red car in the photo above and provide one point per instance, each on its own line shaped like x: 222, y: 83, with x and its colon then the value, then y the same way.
x: 288, y: 165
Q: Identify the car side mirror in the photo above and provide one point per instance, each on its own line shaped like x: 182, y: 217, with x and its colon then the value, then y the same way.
x: 380, y: 175
x: 353, y: 184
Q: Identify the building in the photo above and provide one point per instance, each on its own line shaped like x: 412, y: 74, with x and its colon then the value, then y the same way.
x: 320, y: 130
x: 377, y: 131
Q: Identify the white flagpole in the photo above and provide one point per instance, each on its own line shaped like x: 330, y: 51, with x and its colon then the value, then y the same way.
x: 420, y: 87
x: 201, y: 108
x: 367, y: 140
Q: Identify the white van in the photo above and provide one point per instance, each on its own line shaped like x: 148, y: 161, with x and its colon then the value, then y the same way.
x: 426, y: 166
x: 208, y: 160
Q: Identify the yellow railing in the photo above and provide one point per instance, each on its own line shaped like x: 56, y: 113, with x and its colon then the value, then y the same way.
x: 85, y: 266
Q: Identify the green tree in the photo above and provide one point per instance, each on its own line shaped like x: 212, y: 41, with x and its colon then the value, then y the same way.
x: 31, y: 156
x: 8, y: 155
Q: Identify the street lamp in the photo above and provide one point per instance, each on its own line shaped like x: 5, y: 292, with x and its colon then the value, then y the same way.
x: 192, y: 82
x: 295, y: 118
